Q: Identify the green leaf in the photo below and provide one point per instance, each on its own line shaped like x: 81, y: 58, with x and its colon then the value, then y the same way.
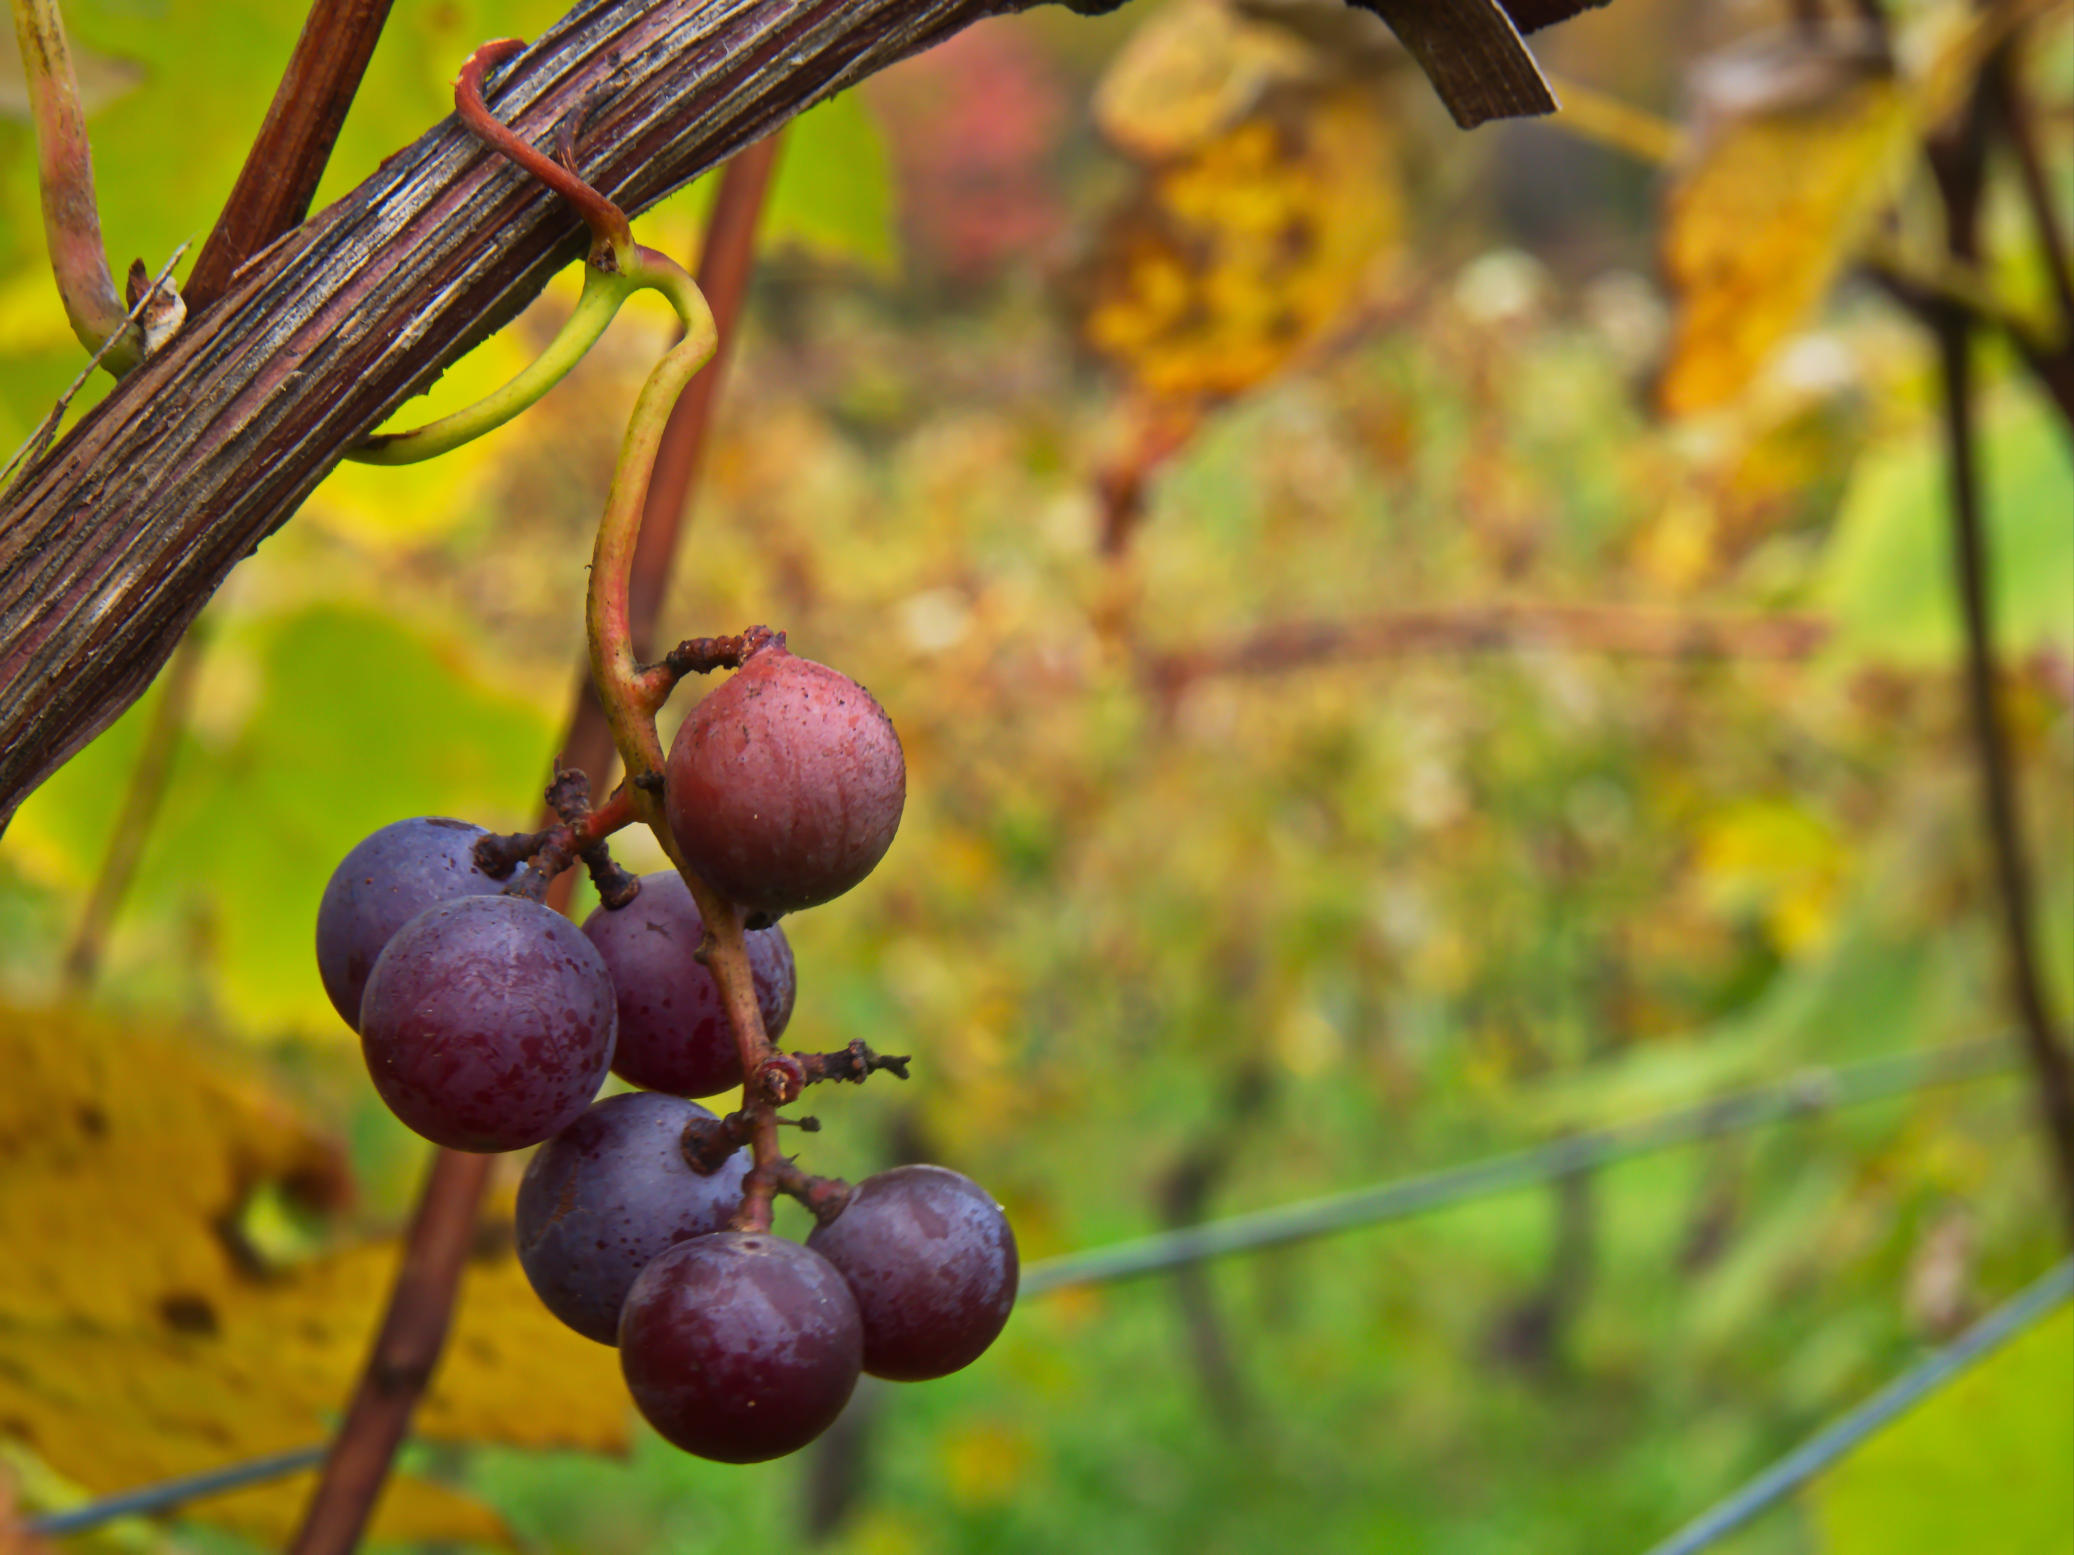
x: 833, y: 193
x: 1887, y: 577
x: 1987, y: 1464
x: 359, y: 722
x: 832, y: 196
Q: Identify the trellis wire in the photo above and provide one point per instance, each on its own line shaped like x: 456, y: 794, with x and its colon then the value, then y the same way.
x: 170, y: 1493
x: 1817, y: 1090
x: 1896, y: 1398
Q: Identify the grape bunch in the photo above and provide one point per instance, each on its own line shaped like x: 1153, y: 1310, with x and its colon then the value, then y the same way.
x: 489, y: 1023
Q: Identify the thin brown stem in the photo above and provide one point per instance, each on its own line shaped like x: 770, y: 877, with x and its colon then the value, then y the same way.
x: 2051, y: 1069
x: 288, y: 156
x: 564, y: 840
x: 855, y: 1063
x: 1503, y: 627
x: 65, y: 176
x: 149, y: 779
x: 1959, y: 162
x: 653, y: 683
x: 406, y: 1350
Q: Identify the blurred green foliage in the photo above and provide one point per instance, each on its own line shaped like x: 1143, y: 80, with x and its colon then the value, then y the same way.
x: 1341, y: 917
x: 1981, y: 1466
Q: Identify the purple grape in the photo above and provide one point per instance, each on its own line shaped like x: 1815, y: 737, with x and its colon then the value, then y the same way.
x: 786, y: 784
x: 673, y: 1030
x: 932, y: 1263
x: 388, y: 879
x: 739, y: 1346
x: 602, y: 1198
x: 487, y: 1023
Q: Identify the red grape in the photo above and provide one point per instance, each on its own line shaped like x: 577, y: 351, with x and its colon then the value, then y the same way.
x: 739, y: 1346
x: 786, y: 784
x: 608, y: 1193
x: 487, y: 1023
x: 390, y: 877
x: 932, y: 1263
x: 673, y: 1030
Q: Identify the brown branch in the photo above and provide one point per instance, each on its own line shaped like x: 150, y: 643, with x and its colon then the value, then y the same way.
x: 287, y: 159
x: 115, y: 537
x: 1959, y: 161
x: 1496, y: 628
x: 726, y: 261
x: 406, y: 1350
x: 140, y: 802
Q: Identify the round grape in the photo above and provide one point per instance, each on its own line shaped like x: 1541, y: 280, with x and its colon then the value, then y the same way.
x: 388, y: 879
x: 739, y: 1346
x: 673, y: 1030
x: 608, y: 1193
x: 932, y: 1263
x: 487, y: 1023
x: 786, y: 784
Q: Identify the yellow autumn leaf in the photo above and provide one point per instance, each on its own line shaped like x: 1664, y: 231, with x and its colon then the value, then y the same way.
x: 1254, y: 249
x: 139, y: 1341
x: 1792, y: 159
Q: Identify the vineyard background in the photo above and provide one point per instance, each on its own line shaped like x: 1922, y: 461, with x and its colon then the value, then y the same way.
x: 1457, y: 751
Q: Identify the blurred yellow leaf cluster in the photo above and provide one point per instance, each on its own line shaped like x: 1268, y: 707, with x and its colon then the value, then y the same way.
x: 141, y: 1337
x: 1189, y: 74
x: 1267, y: 207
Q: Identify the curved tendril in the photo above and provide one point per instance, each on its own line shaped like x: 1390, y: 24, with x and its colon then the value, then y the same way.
x: 616, y: 269
x: 608, y: 223
x: 603, y: 292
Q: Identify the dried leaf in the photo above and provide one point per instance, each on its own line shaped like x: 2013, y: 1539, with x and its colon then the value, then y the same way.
x: 1249, y: 252
x: 1797, y: 149
x: 1189, y: 74
x: 1473, y: 55
x: 138, y: 1342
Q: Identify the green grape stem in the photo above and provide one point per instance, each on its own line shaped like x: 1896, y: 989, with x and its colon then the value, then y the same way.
x: 628, y: 692
x: 603, y: 292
